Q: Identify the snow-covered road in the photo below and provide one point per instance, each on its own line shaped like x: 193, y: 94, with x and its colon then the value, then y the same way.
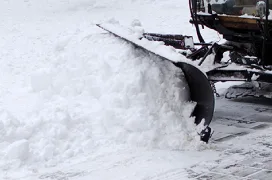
x: 77, y: 103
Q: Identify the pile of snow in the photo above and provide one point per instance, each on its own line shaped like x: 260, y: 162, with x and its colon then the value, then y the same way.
x: 97, y: 92
x: 65, y: 91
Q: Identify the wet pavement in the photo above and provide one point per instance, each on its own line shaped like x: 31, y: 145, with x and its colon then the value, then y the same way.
x: 243, y: 136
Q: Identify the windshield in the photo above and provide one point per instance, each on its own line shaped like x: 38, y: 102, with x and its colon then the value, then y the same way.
x: 237, y: 7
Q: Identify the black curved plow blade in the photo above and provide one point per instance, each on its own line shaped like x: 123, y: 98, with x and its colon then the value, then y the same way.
x: 201, y: 91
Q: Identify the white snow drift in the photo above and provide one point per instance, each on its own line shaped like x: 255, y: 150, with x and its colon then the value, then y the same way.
x: 65, y: 91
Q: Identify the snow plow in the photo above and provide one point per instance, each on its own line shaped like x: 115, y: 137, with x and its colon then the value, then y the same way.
x: 247, y: 30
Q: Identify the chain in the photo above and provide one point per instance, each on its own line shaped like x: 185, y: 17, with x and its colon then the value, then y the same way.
x: 214, y: 89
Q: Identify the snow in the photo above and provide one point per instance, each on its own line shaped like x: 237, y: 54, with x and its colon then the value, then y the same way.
x: 217, y: 1
x: 117, y: 96
x: 134, y: 34
x: 78, y: 103
x: 157, y: 47
x: 69, y: 90
x: 222, y: 87
x: 18, y: 150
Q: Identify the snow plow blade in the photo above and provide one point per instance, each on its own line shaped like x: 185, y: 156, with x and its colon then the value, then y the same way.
x: 201, y: 91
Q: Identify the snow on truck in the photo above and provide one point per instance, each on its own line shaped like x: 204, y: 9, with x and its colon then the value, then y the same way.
x: 246, y: 26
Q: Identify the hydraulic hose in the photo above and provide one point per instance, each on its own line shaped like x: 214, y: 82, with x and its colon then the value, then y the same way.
x: 193, y: 11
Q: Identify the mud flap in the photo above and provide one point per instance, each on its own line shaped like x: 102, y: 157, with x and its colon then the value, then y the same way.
x: 200, y: 89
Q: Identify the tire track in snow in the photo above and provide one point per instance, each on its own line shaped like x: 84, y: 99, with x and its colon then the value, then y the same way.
x: 172, y: 174
x: 234, y: 118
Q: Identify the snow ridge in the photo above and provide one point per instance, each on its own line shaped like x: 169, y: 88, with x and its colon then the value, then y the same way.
x: 89, y: 98
x: 68, y: 89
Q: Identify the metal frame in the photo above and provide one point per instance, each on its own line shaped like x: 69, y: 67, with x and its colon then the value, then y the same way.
x: 261, y: 40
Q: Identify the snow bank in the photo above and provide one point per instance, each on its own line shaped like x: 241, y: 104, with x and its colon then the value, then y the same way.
x: 98, y: 92
x: 66, y: 92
